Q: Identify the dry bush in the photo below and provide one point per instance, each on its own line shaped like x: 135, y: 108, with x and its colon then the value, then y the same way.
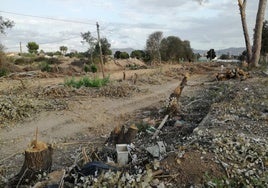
x: 5, y: 66
x: 117, y: 90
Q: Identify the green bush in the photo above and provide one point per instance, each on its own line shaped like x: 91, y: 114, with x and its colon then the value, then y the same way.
x: 3, y: 72
x: 93, y: 68
x: 28, y: 55
x: 45, y: 67
x: 86, y: 68
x: 24, y: 61
x: 86, y: 82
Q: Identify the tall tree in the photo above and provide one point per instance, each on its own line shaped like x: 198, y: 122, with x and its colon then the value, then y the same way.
x: 174, y: 49
x: 91, y: 41
x: 256, y: 49
x: 32, y: 47
x: 117, y: 55
x: 4, y: 24
x: 254, y: 53
x: 211, y: 54
x: 153, y: 45
x: 105, y: 47
x: 264, y: 41
x: 139, y: 54
x: 63, y: 49
x: 242, y: 8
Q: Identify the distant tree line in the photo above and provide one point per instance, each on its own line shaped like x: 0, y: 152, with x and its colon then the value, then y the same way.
x: 171, y: 48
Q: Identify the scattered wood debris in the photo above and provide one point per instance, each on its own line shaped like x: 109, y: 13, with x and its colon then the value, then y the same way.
x: 235, y: 73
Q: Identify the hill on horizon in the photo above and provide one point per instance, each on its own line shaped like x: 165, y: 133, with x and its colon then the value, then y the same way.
x: 232, y: 51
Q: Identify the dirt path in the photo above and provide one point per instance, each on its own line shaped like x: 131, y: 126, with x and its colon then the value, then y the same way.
x: 90, y: 116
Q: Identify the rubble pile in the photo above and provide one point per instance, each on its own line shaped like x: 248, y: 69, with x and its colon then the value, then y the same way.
x: 243, y: 158
x: 212, y: 150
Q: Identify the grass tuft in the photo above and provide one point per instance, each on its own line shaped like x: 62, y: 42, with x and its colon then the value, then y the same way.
x: 87, y: 82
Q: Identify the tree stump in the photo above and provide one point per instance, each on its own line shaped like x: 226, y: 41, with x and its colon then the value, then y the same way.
x: 173, y: 101
x: 38, y: 159
x: 131, y: 134
x: 120, y: 136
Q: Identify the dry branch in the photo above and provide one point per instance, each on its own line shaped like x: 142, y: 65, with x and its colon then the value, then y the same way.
x: 160, y: 127
x: 172, y: 106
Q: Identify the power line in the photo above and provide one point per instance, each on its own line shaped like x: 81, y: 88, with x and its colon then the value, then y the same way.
x: 51, y: 42
x: 48, y: 18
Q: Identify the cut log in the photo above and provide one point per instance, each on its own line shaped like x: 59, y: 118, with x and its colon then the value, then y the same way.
x: 38, y: 159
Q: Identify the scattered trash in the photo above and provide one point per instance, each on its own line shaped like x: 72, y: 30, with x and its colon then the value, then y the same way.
x: 122, y: 154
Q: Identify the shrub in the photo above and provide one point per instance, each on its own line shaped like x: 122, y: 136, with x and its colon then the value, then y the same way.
x: 79, y: 63
x: 45, y: 67
x: 3, y: 72
x: 86, y: 68
x: 124, y: 55
x: 24, y: 61
x: 93, y: 68
x: 86, y: 82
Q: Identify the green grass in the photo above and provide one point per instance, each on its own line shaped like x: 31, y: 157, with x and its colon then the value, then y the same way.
x: 87, y: 82
x: 45, y: 67
x: 3, y: 72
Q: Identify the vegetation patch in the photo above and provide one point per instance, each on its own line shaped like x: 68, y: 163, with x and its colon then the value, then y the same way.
x: 3, y: 72
x: 87, y: 82
x: 45, y: 67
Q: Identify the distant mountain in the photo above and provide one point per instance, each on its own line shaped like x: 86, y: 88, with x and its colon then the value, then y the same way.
x: 128, y: 50
x: 231, y: 51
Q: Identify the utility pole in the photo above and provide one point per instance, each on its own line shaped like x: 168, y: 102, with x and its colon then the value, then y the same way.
x: 20, y: 49
x: 98, y: 31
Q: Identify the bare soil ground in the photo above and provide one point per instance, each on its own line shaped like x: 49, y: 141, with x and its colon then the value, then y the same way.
x: 74, y: 118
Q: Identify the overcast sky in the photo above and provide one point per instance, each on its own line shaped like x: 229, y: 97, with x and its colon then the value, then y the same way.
x: 125, y: 23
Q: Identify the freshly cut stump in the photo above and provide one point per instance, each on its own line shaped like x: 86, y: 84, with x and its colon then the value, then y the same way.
x: 38, y: 159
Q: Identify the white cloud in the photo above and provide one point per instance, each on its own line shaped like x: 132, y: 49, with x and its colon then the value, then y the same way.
x: 127, y: 23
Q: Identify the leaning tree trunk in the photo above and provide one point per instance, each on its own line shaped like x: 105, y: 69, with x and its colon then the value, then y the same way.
x: 256, y: 50
x: 242, y: 8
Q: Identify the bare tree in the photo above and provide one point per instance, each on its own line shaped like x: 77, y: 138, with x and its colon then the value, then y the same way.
x: 153, y: 45
x: 242, y: 7
x: 253, y: 56
x: 256, y: 49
